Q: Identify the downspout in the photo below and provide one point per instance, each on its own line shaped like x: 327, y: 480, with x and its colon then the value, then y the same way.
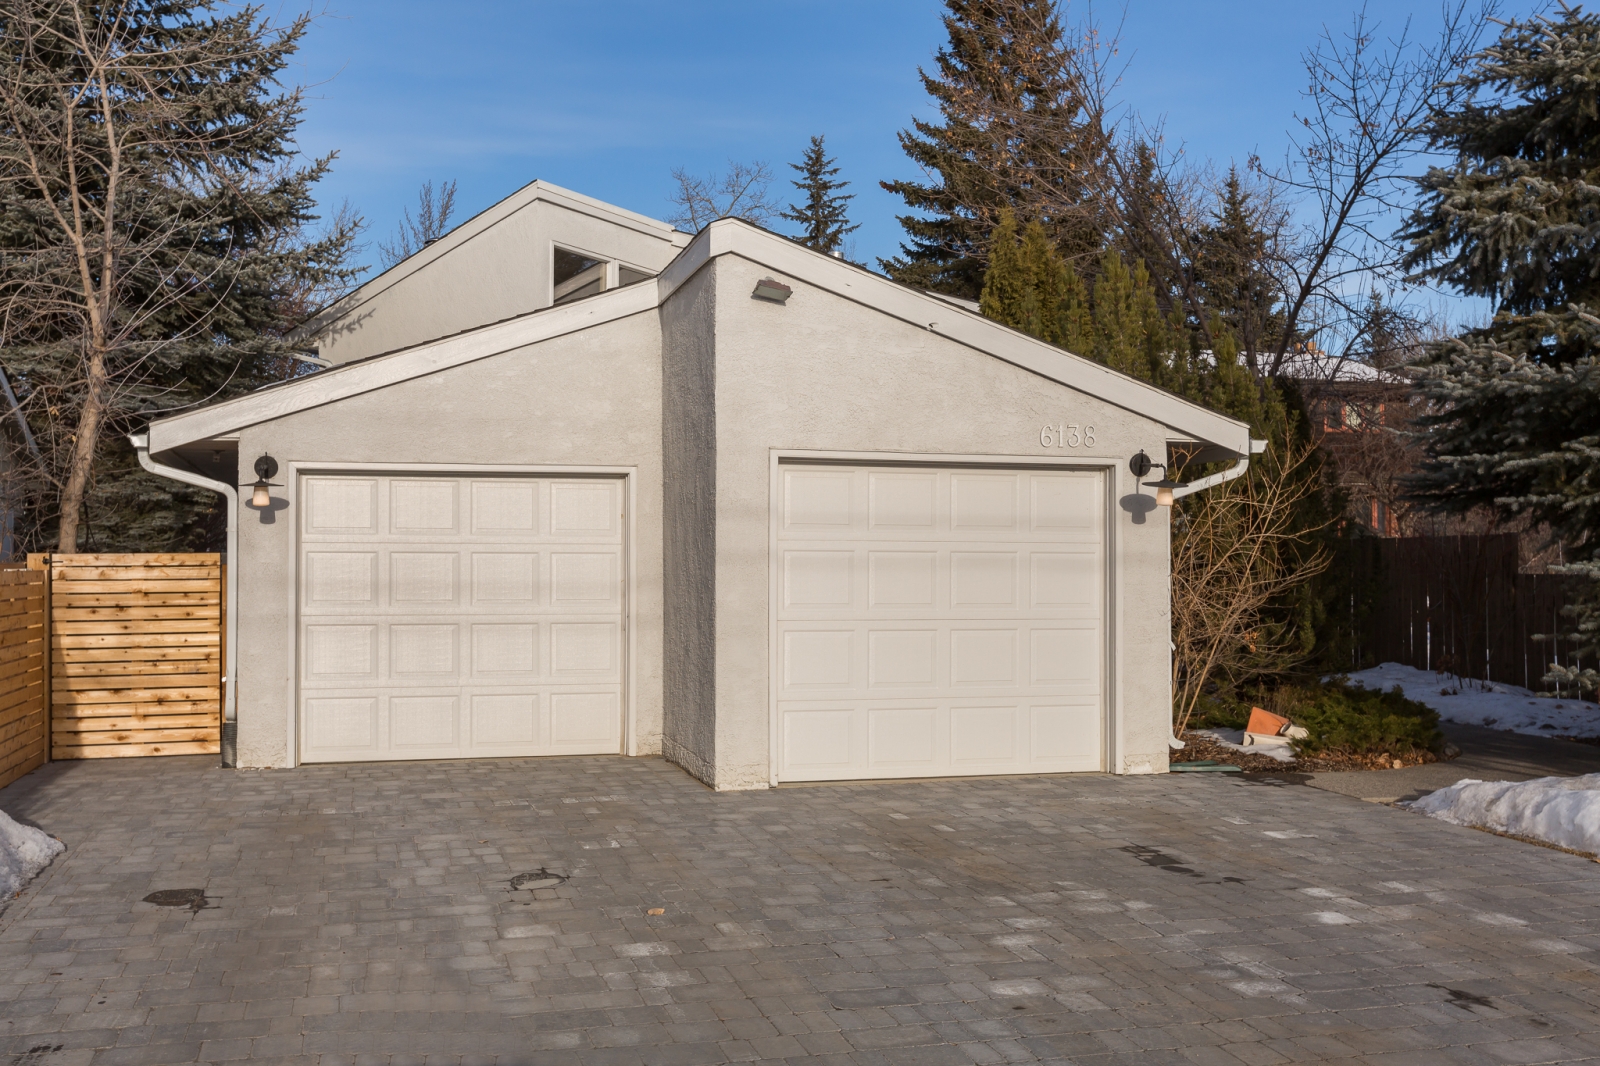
x: 1236, y: 470
x: 230, y: 669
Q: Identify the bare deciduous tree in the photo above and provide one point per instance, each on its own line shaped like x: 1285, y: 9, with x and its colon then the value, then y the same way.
x: 434, y: 208
x: 1347, y: 171
x: 739, y: 192
x: 1236, y: 549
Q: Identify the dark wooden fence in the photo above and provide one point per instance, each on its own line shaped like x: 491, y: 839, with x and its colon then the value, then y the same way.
x: 1459, y: 605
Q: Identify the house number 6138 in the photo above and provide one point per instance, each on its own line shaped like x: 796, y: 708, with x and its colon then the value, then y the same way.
x: 1065, y: 436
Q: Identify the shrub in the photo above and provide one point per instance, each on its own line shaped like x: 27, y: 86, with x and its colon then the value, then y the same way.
x: 1216, y: 711
x: 1342, y: 717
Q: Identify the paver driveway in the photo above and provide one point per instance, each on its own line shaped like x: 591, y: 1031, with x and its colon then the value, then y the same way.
x: 369, y: 914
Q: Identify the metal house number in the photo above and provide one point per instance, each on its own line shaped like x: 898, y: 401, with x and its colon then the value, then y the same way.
x: 1066, y: 436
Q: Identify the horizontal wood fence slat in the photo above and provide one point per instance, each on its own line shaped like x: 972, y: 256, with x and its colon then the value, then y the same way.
x: 1459, y: 605
x: 66, y: 712
x: 24, y: 699
x: 136, y: 654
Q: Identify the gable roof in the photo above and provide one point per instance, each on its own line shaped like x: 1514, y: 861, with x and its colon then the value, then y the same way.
x: 493, y: 215
x: 1188, y: 421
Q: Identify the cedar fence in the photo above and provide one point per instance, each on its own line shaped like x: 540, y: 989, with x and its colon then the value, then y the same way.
x: 24, y: 682
x: 1459, y: 605
x: 128, y: 664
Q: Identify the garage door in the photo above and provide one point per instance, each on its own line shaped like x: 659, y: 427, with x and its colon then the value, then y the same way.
x: 937, y: 622
x: 460, y: 617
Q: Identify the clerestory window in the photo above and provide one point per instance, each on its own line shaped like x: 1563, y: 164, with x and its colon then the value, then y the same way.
x: 577, y: 275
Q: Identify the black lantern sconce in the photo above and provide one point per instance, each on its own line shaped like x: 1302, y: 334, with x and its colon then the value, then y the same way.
x: 1141, y: 465
x: 266, y: 469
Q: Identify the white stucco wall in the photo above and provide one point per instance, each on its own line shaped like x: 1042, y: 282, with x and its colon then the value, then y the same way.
x: 822, y: 373
x: 492, y: 275
x: 587, y: 399
x: 689, y: 446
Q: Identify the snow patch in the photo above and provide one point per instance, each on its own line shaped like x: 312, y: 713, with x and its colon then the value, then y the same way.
x: 1485, y: 703
x: 1557, y: 810
x: 24, y: 851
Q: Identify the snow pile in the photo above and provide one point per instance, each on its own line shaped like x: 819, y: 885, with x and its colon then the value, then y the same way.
x: 1491, y: 704
x: 24, y: 851
x: 1233, y: 738
x: 1559, y: 810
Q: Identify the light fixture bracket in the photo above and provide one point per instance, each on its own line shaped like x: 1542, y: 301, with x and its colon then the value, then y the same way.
x: 266, y: 467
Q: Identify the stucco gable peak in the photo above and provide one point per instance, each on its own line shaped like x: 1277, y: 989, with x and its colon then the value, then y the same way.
x: 948, y: 318
x: 491, y: 216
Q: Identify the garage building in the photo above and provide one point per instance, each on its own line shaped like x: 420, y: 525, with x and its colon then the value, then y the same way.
x: 575, y: 483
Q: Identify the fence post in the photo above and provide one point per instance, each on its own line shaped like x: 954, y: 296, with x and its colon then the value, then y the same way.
x: 41, y: 561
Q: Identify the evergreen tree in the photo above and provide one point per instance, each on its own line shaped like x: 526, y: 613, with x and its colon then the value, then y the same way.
x: 1011, y: 118
x: 821, y: 216
x: 1230, y: 276
x: 154, y: 245
x: 1030, y: 288
x: 1511, y: 220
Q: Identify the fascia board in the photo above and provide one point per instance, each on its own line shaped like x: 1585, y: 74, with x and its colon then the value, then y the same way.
x: 730, y: 236
x: 491, y: 216
x: 353, y: 379
x: 588, y: 205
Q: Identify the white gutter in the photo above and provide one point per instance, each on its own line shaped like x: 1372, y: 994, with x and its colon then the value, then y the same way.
x: 1237, y: 469
x: 141, y: 444
x: 1256, y: 448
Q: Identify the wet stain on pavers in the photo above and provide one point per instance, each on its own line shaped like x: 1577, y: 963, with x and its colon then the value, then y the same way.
x: 1465, y: 1000
x: 540, y: 878
x: 1161, y: 861
x: 193, y: 898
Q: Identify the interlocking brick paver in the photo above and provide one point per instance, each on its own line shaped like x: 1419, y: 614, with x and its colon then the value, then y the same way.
x: 372, y: 914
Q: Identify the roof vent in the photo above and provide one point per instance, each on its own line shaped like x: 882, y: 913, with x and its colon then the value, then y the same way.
x: 776, y: 291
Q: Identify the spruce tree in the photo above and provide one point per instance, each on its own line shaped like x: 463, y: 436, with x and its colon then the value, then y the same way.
x: 1230, y: 277
x: 821, y: 216
x: 1011, y: 115
x: 1511, y: 220
x: 155, y: 245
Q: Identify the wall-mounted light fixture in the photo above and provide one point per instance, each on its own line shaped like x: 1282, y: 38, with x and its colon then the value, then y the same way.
x: 772, y: 289
x: 1141, y: 465
x: 266, y: 469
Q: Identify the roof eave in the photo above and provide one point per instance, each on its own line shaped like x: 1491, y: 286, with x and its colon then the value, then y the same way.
x: 1187, y: 422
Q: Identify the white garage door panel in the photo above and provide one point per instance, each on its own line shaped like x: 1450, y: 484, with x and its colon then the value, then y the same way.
x: 939, y: 621
x: 446, y: 617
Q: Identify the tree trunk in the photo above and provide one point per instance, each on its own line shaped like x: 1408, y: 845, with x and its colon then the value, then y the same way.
x: 83, y: 449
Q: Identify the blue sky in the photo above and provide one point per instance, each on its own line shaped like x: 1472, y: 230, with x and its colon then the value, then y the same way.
x: 607, y: 99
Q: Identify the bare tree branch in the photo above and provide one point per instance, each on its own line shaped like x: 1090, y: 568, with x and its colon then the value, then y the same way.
x: 434, y: 208
x: 741, y: 191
